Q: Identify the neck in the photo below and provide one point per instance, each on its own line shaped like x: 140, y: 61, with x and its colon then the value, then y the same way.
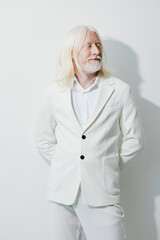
x: 86, y: 79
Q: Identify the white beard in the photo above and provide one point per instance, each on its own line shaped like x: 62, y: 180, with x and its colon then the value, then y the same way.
x: 92, y: 67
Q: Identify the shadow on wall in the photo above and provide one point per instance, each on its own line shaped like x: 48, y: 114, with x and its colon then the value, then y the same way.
x: 140, y: 179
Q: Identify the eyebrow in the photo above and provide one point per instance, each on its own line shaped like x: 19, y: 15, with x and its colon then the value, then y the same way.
x: 90, y: 42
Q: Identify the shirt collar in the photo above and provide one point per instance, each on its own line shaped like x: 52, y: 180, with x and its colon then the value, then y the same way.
x: 77, y: 86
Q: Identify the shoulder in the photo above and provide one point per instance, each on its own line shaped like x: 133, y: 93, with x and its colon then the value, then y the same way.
x: 120, y: 83
x: 122, y: 90
x: 117, y: 83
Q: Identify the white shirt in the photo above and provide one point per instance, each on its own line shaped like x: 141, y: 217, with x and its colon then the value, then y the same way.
x: 83, y: 100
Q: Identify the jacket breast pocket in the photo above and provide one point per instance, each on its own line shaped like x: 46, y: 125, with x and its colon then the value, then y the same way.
x: 112, y: 105
x: 111, y: 109
x: 111, y: 174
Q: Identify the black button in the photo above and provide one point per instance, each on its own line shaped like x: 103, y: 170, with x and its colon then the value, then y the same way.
x: 82, y: 157
x: 83, y: 136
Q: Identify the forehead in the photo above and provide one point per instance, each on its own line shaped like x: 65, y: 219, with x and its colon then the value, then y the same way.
x: 91, y: 37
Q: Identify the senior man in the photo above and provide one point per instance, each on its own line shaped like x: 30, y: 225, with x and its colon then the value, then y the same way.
x: 88, y: 129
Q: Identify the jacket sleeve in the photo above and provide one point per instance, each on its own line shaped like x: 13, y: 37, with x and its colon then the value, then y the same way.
x: 132, y: 131
x: 45, y: 139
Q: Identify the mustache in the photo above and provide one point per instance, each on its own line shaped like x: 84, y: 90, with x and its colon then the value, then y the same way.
x: 98, y: 58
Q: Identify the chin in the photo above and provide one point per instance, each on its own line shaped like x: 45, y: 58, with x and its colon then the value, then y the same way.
x: 92, y: 68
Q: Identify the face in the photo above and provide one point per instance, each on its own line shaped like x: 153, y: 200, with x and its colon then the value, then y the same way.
x: 90, y: 55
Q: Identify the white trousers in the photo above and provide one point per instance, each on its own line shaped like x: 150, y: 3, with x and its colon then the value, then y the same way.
x: 97, y: 223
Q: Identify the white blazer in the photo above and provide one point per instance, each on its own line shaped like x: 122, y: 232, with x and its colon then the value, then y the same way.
x: 92, y: 157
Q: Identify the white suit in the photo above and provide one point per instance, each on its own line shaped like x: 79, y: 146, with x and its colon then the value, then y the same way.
x: 92, y: 156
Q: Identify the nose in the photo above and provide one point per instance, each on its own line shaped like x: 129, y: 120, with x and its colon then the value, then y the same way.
x: 95, y: 50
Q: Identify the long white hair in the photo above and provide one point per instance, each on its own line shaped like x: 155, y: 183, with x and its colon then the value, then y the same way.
x: 72, y: 45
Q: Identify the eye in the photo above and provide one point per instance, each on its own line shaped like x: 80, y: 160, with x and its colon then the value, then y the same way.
x: 99, y: 46
x: 87, y: 46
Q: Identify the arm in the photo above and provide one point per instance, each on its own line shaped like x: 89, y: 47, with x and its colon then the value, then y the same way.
x: 45, y: 139
x: 130, y: 124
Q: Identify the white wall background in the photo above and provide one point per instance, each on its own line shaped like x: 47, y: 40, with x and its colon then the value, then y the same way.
x: 31, y: 34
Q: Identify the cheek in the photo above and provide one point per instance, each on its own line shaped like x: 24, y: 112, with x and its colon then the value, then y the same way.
x: 82, y: 58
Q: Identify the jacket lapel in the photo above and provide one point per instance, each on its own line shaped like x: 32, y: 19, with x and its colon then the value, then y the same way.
x: 105, y: 92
